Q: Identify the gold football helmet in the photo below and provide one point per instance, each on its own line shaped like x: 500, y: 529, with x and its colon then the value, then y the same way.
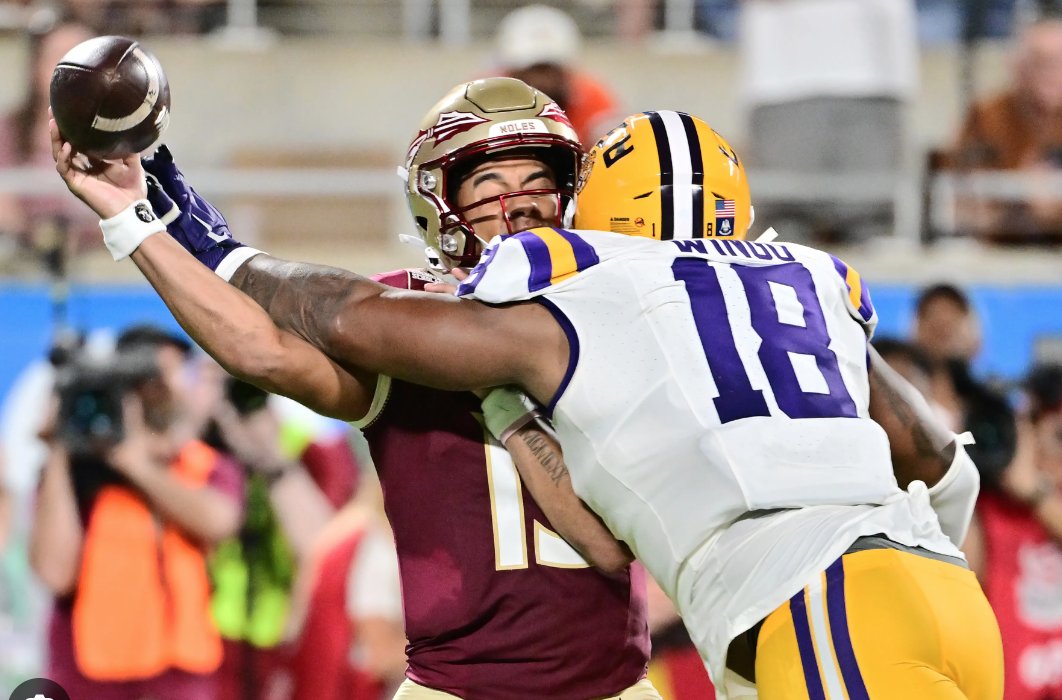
x: 474, y: 122
x: 664, y: 175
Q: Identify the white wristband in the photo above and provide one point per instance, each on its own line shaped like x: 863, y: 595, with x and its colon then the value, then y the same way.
x: 506, y: 409
x: 125, y: 231
x: 231, y: 262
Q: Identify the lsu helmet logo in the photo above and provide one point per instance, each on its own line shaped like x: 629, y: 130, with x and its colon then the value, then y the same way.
x: 669, y: 171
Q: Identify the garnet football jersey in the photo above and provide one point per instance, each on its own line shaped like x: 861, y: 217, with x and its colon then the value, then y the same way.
x: 497, y: 606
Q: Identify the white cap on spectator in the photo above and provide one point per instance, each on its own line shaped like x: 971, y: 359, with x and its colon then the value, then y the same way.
x: 536, y: 34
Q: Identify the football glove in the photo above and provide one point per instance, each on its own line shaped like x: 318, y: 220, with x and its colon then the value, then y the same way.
x: 192, y: 221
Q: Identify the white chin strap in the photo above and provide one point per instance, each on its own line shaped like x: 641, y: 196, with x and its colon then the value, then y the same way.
x: 430, y: 254
x: 569, y: 214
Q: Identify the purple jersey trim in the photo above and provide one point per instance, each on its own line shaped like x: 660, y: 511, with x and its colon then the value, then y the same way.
x: 477, y: 272
x: 541, y: 263
x: 573, y: 351
x: 866, y: 307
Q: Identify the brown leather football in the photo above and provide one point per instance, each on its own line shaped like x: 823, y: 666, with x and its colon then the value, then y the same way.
x: 110, y: 97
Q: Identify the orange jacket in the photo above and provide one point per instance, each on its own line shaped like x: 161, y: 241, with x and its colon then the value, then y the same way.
x: 143, y: 596
x: 591, y: 108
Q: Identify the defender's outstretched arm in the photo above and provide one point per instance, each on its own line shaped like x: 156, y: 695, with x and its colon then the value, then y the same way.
x: 922, y: 446
x: 924, y: 449
x: 426, y: 338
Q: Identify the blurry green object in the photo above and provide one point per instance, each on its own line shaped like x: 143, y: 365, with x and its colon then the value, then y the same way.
x: 253, y: 574
x: 295, y: 437
x: 21, y: 652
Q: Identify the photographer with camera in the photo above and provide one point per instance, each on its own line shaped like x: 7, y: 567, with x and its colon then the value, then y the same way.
x: 126, y: 513
x: 343, y: 616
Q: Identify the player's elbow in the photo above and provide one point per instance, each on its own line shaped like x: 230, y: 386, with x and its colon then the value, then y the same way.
x: 262, y: 363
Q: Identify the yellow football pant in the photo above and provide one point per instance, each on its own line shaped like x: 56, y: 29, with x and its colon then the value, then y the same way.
x: 883, y: 624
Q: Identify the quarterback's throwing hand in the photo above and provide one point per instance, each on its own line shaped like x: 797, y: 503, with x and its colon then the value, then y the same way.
x: 108, y: 187
x: 193, y: 221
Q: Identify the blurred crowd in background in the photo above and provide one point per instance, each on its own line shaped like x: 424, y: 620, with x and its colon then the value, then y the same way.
x: 263, y: 522
x: 826, y: 87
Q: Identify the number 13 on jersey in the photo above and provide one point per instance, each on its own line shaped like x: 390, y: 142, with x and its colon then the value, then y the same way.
x: 511, y: 522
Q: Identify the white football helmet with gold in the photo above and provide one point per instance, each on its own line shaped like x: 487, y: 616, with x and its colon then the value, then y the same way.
x: 474, y: 122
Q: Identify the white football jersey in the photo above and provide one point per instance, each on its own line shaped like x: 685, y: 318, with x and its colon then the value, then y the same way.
x: 715, y: 411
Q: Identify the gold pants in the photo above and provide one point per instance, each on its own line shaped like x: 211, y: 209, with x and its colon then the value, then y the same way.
x: 883, y: 624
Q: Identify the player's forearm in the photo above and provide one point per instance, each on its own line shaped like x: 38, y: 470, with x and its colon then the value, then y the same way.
x: 300, y: 297
x: 922, y: 446
x: 541, y: 465
x: 232, y: 328
x: 360, y: 323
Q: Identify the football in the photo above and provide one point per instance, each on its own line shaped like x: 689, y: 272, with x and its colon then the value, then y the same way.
x: 110, y: 97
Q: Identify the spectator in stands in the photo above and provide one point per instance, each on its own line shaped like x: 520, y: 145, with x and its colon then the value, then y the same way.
x: 123, y: 523
x: 634, y: 18
x: 253, y: 571
x: 40, y: 223
x: 826, y: 84
x: 345, y: 561
x: 1017, y: 547
x: 1019, y: 131
x: 947, y: 331
x: 353, y: 608
x: 540, y: 45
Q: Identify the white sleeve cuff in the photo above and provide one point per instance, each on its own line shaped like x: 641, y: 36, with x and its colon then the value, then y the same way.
x: 232, y: 262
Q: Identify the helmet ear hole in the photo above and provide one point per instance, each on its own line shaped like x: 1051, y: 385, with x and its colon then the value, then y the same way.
x: 422, y: 221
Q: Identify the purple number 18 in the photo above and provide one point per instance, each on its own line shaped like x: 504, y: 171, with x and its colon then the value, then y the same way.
x: 737, y: 398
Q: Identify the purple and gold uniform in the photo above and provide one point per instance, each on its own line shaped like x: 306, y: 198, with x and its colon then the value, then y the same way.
x: 497, y: 606
x: 736, y: 456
